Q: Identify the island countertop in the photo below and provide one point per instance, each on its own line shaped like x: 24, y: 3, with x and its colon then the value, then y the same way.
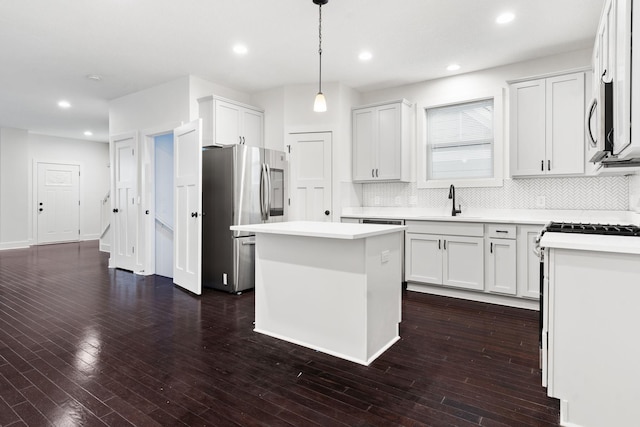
x: 330, y: 230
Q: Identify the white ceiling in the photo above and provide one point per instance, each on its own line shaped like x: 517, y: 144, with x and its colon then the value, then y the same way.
x: 47, y: 47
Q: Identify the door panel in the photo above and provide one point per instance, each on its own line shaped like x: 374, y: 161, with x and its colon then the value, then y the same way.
x: 463, y: 262
x: 58, y: 218
x: 124, y: 200
x: 310, y: 176
x: 389, y: 140
x: 187, y: 256
x: 423, y: 258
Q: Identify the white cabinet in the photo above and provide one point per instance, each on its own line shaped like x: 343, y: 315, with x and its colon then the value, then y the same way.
x: 226, y: 122
x: 445, y: 259
x: 546, y: 126
x: 381, y: 142
x: 528, y: 263
x: 500, y: 247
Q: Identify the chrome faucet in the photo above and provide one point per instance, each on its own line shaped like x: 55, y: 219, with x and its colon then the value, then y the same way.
x: 452, y: 196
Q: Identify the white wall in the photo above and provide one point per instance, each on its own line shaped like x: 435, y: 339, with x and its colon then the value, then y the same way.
x: 14, y: 188
x: 560, y: 193
x: 272, y: 101
x: 93, y: 158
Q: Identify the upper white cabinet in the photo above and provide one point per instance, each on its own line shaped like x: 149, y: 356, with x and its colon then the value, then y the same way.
x: 381, y: 142
x: 226, y: 122
x: 546, y: 126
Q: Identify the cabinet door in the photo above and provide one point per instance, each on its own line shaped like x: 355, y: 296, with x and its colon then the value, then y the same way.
x: 463, y: 262
x: 389, y: 129
x: 528, y: 262
x: 364, y: 144
x: 252, y: 127
x: 501, y: 265
x: 565, y: 124
x: 423, y: 258
x: 527, y: 128
x: 228, y: 118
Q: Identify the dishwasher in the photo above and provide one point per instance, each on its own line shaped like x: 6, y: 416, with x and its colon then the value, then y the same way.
x: 390, y: 222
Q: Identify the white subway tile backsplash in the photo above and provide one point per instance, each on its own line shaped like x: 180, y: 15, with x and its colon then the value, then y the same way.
x: 584, y: 193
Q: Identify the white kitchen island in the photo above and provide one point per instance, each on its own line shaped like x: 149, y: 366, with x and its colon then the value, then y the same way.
x: 332, y: 287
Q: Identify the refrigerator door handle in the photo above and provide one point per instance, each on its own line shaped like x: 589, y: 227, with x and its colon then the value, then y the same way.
x: 269, y: 189
x: 263, y: 182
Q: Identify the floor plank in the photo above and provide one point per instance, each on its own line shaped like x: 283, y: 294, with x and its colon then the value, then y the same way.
x: 83, y: 344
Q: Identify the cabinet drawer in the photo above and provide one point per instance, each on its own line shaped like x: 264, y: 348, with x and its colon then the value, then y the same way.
x: 446, y: 227
x: 501, y: 231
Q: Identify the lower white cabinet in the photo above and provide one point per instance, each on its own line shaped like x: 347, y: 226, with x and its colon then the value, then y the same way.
x: 501, y: 265
x: 455, y: 261
x: 528, y: 263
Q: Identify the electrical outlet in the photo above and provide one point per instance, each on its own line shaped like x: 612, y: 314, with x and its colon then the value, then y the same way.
x: 541, y: 202
x: 376, y: 200
x: 384, y: 257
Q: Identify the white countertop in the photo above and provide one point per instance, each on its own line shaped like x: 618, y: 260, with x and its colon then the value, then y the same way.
x: 330, y: 230
x: 592, y: 242
x: 513, y: 216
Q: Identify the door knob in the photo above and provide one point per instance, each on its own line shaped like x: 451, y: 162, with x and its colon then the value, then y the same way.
x: 115, y: 211
x: 327, y: 212
x: 194, y: 214
x: 40, y: 209
x: 146, y: 212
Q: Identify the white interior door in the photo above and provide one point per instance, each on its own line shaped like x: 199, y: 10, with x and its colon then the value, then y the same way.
x: 310, y: 165
x: 58, y: 203
x: 124, y: 200
x: 187, y: 197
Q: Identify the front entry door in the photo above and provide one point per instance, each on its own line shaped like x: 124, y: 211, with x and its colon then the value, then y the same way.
x: 310, y: 165
x: 58, y: 203
x: 187, y: 202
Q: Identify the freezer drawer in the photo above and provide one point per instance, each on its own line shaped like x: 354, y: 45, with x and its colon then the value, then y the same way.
x: 231, y: 267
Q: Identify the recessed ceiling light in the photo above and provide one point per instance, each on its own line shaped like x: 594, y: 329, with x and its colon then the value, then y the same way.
x: 365, y: 56
x: 453, y: 67
x: 88, y: 133
x: 240, y: 49
x: 94, y: 77
x: 505, y: 18
x: 64, y: 104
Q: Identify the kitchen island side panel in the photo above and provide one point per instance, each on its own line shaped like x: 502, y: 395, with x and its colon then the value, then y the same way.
x: 322, y: 293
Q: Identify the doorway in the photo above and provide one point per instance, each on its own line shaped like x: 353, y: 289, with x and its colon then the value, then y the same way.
x: 163, y: 204
x: 311, y: 175
x: 58, y: 203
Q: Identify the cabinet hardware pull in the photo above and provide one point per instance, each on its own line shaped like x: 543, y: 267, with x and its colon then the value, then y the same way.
x: 501, y: 231
x: 373, y: 174
x: 445, y: 244
x: 376, y: 173
x: 542, y: 165
x: 549, y: 165
x: 491, y: 247
x: 439, y: 244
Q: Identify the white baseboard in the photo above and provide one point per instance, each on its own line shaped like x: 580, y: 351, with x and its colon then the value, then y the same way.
x: 105, y: 247
x: 23, y: 244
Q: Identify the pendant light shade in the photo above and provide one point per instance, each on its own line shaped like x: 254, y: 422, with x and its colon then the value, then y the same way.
x: 320, y: 103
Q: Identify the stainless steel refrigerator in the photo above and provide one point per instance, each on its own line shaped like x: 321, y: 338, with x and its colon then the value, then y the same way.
x: 240, y: 185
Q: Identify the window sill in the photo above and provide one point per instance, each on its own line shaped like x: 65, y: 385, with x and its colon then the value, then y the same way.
x: 461, y: 183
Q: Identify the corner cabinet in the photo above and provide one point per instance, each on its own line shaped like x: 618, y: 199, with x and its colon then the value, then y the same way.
x: 546, y: 125
x: 226, y: 122
x: 381, y: 142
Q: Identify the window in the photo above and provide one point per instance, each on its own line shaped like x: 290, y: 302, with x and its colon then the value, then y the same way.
x: 459, y: 141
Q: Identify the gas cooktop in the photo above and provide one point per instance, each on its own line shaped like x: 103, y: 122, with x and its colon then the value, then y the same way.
x: 579, y: 228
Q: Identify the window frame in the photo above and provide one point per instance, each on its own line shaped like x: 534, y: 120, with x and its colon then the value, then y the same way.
x: 498, y: 143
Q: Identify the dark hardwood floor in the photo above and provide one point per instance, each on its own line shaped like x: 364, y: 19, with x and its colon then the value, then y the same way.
x: 81, y: 344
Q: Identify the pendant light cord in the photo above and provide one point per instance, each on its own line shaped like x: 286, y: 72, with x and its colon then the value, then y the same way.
x: 320, y: 48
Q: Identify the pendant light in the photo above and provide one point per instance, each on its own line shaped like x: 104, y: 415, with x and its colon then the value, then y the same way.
x: 320, y: 103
